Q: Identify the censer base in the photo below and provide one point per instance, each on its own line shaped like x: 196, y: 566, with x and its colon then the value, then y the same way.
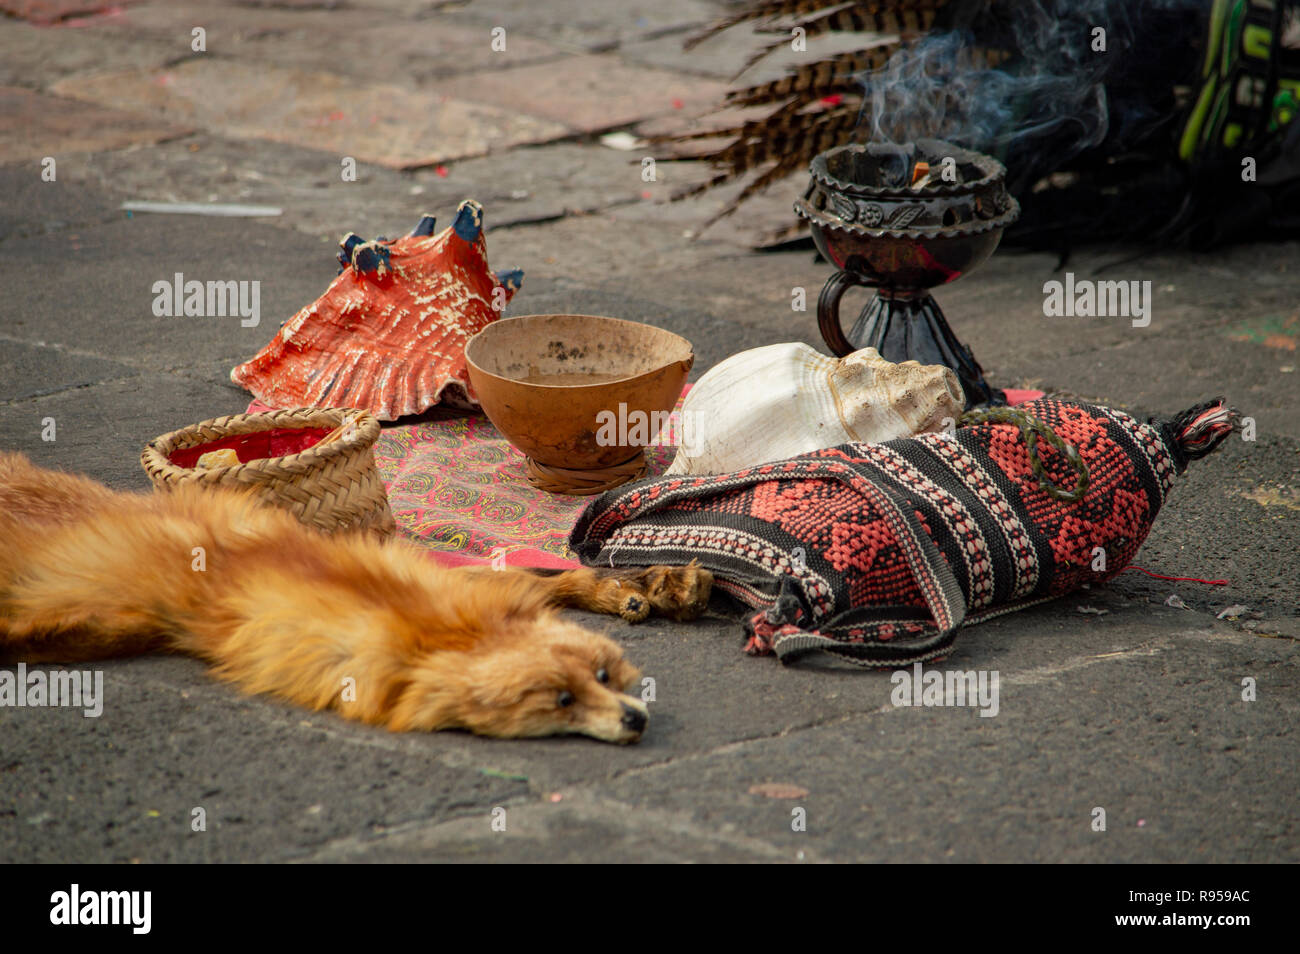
x: 911, y: 327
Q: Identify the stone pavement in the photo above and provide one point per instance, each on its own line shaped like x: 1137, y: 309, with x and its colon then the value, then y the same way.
x: 1109, y: 698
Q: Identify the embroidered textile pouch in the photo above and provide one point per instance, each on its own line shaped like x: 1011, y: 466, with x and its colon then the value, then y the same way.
x: 879, y: 553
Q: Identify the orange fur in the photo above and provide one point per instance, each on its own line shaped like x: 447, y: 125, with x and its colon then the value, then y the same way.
x: 277, y: 608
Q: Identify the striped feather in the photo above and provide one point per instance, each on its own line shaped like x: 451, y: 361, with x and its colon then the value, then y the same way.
x: 802, y: 123
x: 763, y: 10
x: 886, y: 18
x: 906, y: 23
x: 816, y: 80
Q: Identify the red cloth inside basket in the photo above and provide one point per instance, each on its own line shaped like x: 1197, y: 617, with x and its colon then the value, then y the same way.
x: 276, y: 442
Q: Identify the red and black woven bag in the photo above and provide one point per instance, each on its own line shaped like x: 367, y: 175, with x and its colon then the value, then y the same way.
x: 879, y: 553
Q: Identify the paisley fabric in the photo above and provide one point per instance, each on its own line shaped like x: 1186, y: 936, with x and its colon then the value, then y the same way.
x: 455, y: 485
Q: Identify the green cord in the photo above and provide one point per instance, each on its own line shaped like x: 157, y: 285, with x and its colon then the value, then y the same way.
x: 1032, y: 429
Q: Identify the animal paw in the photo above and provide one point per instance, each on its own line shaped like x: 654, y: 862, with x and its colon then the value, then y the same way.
x: 619, y: 597
x: 678, y: 592
x: 635, y: 608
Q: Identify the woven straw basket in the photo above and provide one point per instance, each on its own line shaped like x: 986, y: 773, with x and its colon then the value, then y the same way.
x: 332, y: 485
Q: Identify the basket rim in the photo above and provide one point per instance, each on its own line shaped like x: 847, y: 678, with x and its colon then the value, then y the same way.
x: 154, y: 457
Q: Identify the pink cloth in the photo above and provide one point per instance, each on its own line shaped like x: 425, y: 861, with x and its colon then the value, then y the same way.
x: 1018, y: 396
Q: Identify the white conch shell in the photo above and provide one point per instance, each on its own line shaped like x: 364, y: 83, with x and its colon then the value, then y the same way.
x: 788, y: 399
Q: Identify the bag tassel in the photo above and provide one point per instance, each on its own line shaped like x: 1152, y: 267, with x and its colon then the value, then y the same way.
x: 1199, y: 430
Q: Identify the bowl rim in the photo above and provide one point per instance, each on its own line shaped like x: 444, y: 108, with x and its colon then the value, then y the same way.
x: 992, y: 171
x: 819, y: 219
x: 474, y: 366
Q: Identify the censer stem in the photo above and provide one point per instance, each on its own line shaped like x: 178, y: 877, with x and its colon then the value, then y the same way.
x: 911, y: 327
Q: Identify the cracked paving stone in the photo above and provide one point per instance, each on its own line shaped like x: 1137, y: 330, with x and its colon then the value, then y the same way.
x: 520, y: 185
x: 585, y: 25
x: 1158, y: 736
x: 372, y: 122
x: 256, y: 768
x: 33, y: 206
x: 30, y: 370
x: 377, y: 46
x: 586, y: 93
x: 100, y: 430
x: 46, y: 12
x: 33, y: 125
x: 124, y: 259
x: 36, y: 57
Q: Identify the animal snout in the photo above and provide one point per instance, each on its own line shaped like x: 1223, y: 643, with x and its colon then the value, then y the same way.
x: 633, y: 719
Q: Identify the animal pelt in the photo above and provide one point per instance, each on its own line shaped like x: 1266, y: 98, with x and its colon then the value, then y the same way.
x: 372, y: 630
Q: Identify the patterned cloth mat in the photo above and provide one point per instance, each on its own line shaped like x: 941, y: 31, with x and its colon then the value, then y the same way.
x: 457, y: 488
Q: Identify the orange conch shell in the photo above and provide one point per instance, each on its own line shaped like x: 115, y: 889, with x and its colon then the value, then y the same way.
x: 389, y: 333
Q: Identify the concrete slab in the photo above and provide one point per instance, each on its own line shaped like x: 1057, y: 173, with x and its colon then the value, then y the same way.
x: 1153, y: 736
x: 123, y: 260
x: 1196, y: 305
x: 1069, y: 736
x: 36, y: 206
x: 585, y: 93
x: 371, y: 122
x: 1215, y: 527
x: 44, y: 12
x: 706, y: 216
x: 724, y: 55
x: 416, y: 52
x: 31, y: 370
x: 521, y: 185
x: 607, y: 246
x: 296, y: 4
x: 258, y: 772
x: 581, y: 827
x: 101, y: 429
x: 376, y: 45
x: 37, y: 57
x: 33, y: 126
x: 582, y: 25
